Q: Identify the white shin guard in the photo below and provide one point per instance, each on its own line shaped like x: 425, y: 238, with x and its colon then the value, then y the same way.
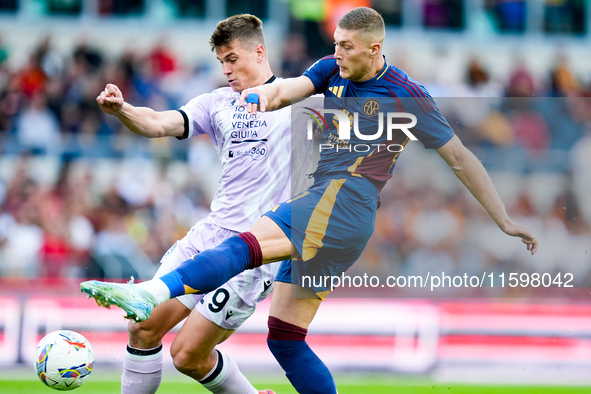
x: 142, y: 371
x: 226, y: 378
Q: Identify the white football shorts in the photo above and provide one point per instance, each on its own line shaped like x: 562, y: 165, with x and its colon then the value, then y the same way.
x: 232, y: 303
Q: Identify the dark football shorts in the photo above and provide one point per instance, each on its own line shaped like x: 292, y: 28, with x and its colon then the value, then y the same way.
x: 329, y: 224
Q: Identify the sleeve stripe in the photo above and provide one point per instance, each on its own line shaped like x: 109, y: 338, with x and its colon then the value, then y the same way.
x: 327, y: 80
x: 417, y: 98
x: 413, y: 86
x: 187, y: 125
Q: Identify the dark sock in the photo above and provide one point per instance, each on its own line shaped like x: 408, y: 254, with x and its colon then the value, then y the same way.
x: 306, y: 372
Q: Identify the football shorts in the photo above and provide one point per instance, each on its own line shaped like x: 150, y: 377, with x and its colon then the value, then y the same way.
x: 329, y: 224
x: 232, y: 303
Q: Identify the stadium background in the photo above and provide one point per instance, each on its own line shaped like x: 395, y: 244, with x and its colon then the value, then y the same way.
x: 80, y: 196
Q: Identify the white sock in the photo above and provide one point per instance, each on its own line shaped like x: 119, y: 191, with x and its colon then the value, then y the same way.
x: 226, y: 378
x: 157, y: 288
x: 142, y: 371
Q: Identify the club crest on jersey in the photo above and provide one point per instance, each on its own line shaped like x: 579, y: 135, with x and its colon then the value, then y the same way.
x: 371, y: 107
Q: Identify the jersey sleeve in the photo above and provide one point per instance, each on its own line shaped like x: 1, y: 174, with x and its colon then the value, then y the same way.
x: 197, y: 116
x: 321, y: 71
x: 433, y: 130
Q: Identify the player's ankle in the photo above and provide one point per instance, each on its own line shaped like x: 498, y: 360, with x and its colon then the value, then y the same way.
x: 157, y: 288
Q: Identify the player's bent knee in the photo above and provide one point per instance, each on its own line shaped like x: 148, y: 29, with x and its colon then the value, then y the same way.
x: 182, y: 361
x: 190, y: 364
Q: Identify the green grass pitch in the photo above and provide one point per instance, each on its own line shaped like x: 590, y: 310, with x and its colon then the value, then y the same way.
x: 359, y: 384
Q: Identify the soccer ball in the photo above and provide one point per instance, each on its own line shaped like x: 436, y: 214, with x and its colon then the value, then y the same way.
x: 64, y: 360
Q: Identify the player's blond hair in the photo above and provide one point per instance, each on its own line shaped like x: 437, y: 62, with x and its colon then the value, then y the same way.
x: 244, y: 27
x: 366, y: 21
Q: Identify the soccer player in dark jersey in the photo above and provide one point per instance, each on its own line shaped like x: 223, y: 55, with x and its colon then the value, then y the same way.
x: 318, y: 228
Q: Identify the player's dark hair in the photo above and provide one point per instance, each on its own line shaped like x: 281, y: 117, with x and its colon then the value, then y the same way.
x: 364, y: 19
x: 244, y: 27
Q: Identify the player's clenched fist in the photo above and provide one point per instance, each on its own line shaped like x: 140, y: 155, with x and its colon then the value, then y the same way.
x: 253, y: 98
x: 111, y: 99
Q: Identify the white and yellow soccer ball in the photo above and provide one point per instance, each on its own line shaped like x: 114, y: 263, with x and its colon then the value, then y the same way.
x: 64, y: 360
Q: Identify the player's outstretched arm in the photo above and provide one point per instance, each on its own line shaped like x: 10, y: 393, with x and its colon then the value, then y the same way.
x: 277, y: 95
x: 141, y: 120
x: 473, y: 175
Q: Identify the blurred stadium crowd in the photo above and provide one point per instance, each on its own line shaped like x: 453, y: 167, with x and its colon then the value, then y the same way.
x: 81, y: 196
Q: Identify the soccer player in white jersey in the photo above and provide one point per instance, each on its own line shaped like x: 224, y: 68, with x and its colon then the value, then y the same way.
x: 255, y: 156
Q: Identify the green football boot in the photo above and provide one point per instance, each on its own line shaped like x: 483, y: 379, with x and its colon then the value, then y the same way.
x: 134, y: 300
